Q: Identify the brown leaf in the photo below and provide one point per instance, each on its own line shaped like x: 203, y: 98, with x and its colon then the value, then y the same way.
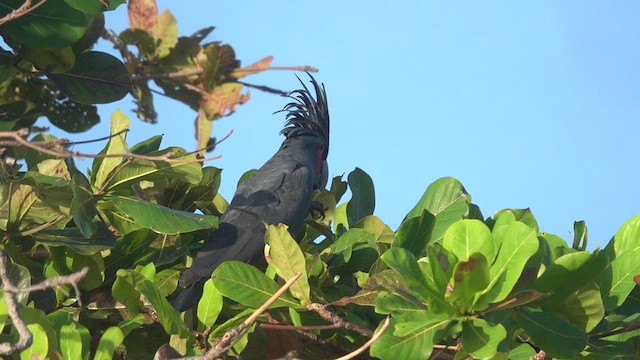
x: 223, y: 100
x: 143, y: 14
x: 256, y: 67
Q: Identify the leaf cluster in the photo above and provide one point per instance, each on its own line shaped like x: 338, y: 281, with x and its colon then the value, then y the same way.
x: 454, y: 283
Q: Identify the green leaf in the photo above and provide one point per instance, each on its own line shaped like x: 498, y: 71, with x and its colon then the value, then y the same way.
x: 127, y: 326
x: 102, y: 167
x: 344, y: 244
x: 169, y: 316
x: 375, y: 226
x: 129, y: 249
x: 167, y: 281
x: 628, y: 237
x: 52, y: 25
x: 72, y: 238
x: 96, y: 78
x: 414, y: 233
x: 166, y: 32
x: 624, y: 269
x: 569, y: 273
x: 469, y: 278
x: 20, y: 277
x: 110, y: 340
x: 552, y: 333
x: 147, y: 146
x: 37, y: 316
x: 416, y: 345
x: 40, y: 345
x: 83, y: 209
x: 447, y: 200
x: 4, y: 311
x: 161, y: 218
x: 338, y: 187
x: 402, y: 261
x: 70, y: 342
x: 124, y: 291
x: 395, y: 304
x: 138, y: 170
x: 522, y: 215
x: 584, y: 307
x: 287, y: 259
x: 363, y: 198
x: 247, y: 285
x: 210, y: 305
x: 579, y: 235
x: 469, y: 236
x: 481, y: 339
x: 517, y: 242
x: 88, y: 6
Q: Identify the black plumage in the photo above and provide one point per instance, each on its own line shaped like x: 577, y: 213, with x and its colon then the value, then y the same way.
x: 280, y: 191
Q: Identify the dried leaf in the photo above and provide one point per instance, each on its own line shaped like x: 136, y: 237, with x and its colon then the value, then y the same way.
x: 256, y: 67
x: 143, y: 14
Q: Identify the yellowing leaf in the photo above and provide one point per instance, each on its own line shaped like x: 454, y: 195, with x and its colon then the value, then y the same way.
x: 143, y: 14
x: 223, y: 100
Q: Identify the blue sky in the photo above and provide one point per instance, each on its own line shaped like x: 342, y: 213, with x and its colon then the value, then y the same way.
x: 528, y: 105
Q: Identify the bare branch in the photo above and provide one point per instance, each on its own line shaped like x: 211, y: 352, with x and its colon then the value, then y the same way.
x: 335, y: 319
x: 42, y: 147
x: 10, y: 291
x: 23, y: 10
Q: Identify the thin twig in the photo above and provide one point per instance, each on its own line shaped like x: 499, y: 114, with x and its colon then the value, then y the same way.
x: 366, y: 345
x: 172, y: 75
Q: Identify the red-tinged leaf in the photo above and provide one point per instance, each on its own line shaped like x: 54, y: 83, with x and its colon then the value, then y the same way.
x: 256, y: 67
x: 143, y: 14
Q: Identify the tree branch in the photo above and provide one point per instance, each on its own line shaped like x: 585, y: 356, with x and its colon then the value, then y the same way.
x: 43, y: 147
x: 23, y: 10
x: 335, y: 319
x: 10, y: 291
x: 229, y: 338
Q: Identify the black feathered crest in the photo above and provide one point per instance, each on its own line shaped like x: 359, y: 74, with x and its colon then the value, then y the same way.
x: 306, y: 115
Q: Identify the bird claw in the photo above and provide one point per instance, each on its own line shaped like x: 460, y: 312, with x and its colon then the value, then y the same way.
x: 316, y: 210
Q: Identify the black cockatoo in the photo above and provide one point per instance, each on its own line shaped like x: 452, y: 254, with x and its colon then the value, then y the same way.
x: 279, y: 192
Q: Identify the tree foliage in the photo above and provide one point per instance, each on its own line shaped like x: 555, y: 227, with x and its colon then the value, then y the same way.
x: 452, y: 282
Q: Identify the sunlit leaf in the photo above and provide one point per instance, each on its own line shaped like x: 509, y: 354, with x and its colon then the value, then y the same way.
x: 469, y: 236
x: 40, y: 345
x: 160, y: 218
x: 469, y: 278
x: 102, y: 167
x: 210, y: 304
x: 416, y: 345
x: 287, y: 259
x: 481, y: 339
x: 247, y: 285
x: 109, y: 341
x: 447, y: 200
x: 518, y: 242
x: 70, y: 342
